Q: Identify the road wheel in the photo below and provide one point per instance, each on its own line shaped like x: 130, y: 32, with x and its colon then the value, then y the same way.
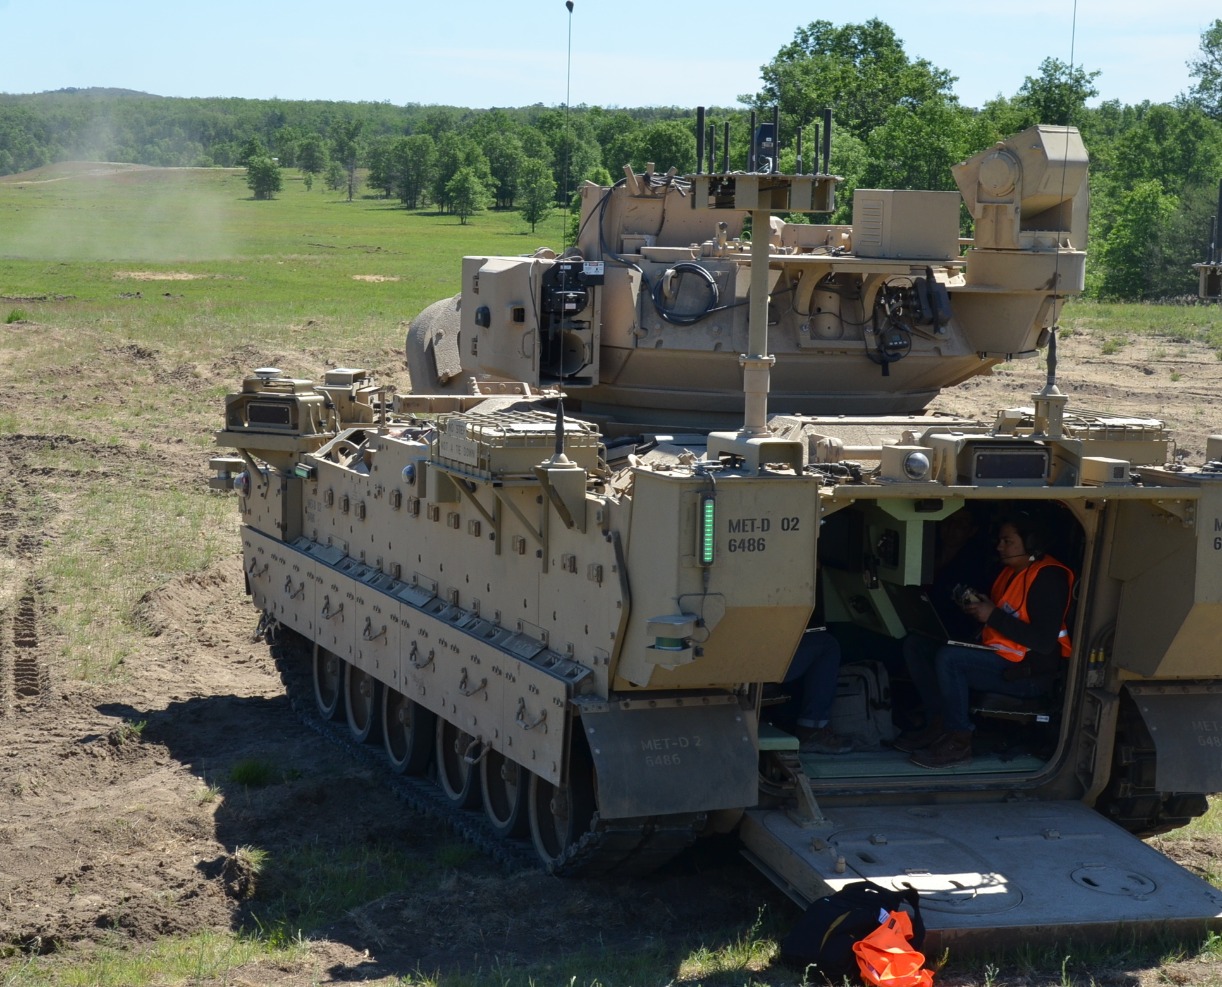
x: 328, y: 682
x: 457, y: 772
x: 407, y: 733
x: 504, y: 787
x: 560, y: 815
x: 361, y: 704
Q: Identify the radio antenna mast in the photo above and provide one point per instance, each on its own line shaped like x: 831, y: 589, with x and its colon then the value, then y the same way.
x: 568, y: 136
x: 1049, y: 403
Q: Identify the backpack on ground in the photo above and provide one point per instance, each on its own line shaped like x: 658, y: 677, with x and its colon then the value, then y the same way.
x: 825, y: 934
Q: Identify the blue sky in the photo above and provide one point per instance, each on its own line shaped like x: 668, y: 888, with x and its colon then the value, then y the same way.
x: 513, y: 52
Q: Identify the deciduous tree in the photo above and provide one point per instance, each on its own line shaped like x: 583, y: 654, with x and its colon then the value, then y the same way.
x: 1057, y: 95
x: 415, y: 159
x: 505, y: 159
x: 455, y: 152
x: 1207, y: 70
x: 251, y: 148
x: 263, y: 176
x: 1132, y: 254
x: 467, y: 193
x: 345, y: 147
x: 1177, y: 146
x: 311, y: 156
x: 668, y: 144
x: 537, y: 191
x: 380, y: 165
x: 916, y: 147
x: 860, y: 70
x: 335, y: 177
x: 575, y: 150
x: 619, y: 137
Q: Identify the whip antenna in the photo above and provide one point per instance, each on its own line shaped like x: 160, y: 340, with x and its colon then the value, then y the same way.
x: 568, y: 136
x: 1050, y: 402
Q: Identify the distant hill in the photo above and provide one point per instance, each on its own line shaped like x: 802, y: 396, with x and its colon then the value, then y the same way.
x: 94, y: 91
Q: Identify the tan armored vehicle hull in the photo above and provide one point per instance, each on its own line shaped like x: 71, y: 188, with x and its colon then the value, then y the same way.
x: 580, y: 631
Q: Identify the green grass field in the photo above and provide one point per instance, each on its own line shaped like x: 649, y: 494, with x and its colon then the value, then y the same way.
x: 307, y: 265
x: 129, y: 290
x: 98, y: 262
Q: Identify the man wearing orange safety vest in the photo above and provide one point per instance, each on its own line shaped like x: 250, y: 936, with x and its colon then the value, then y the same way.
x: 1023, y: 626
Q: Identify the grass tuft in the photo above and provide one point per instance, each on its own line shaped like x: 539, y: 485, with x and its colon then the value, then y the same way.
x: 208, y: 795
x: 254, y: 773
x: 127, y: 732
x: 749, y: 953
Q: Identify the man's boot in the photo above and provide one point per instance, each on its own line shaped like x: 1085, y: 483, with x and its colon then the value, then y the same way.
x: 954, y: 748
x: 918, y: 740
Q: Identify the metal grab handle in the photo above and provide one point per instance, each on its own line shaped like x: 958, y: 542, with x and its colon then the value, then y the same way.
x: 474, y: 759
x: 268, y: 629
x: 368, y: 634
x: 520, y: 718
x: 326, y: 609
x: 414, y: 654
x: 288, y: 588
x: 256, y: 572
x: 462, y: 685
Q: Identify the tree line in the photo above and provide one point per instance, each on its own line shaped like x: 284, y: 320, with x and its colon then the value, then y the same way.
x: 1155, y: 167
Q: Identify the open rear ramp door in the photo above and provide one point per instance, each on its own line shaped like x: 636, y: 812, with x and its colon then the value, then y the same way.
x: 1018, y: 870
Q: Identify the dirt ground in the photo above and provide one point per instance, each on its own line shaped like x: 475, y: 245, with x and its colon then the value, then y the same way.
x: 1173, y: 381
x: 113, y: 839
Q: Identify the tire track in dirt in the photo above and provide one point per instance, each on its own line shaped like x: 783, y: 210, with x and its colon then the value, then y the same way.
x: 31, y: 675
x: 27, y: 520
x: 24, y: 673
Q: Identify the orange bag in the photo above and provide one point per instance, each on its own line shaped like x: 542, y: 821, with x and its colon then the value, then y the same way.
x: 887, y: 958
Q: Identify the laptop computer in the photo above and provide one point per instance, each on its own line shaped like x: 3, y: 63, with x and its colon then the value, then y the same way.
x: 920, y: 616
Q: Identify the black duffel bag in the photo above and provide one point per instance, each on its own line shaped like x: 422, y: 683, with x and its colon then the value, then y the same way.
x: 823, y: 937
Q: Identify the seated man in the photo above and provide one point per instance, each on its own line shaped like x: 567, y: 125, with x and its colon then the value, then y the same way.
x: 814, y: 669
x: 1021, y: 623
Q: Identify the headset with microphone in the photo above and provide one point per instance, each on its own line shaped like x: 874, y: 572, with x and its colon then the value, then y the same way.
x: 1031, y: 533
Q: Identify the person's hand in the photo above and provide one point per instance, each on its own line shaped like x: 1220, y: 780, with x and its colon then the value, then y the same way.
x: 979, y: 610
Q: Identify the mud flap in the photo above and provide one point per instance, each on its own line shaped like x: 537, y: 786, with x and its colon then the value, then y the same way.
x: 1185, y: 723
x: 1003, y: 873
x: 670, y: 759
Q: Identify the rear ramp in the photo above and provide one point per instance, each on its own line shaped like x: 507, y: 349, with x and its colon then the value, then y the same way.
x: 1019, y: 872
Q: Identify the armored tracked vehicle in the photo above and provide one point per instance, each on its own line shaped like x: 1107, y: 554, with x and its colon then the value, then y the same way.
x: 579, y: 623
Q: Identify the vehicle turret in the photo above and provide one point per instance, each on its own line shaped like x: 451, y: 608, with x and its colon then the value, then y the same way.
x: 642, y: 321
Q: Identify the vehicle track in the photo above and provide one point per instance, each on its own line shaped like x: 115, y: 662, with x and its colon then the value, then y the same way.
x: 620, y: 848
x: 421, y: 794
